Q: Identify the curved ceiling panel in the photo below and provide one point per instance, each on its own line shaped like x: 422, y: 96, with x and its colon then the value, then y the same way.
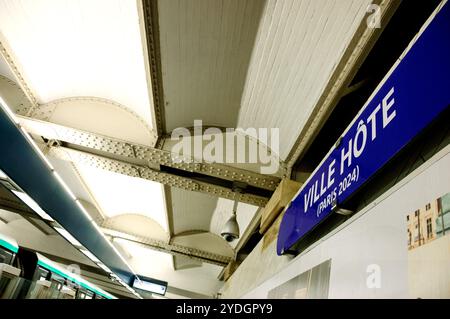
x: 191, y: 210
x: 115, y: 120
x: 205, y: 241
x: 239, y: 148
x: 118, y: 194
x: 137, y: 225
x: 79, y: 48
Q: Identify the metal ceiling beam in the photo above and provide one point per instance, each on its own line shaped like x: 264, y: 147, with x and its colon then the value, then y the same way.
x: 152, y: 164
x: 138, y: 171
x: 169, y: 209
x: 150, y: 18
x: 8, y: 57
x: 173, y: 249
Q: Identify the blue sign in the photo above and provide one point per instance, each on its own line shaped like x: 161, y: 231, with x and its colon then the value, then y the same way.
x: 410, y: 98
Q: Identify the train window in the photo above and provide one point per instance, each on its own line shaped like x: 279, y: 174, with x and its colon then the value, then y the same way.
x: 81, y: 293
x: 43, y: 274
x: 57, y: 281
x: 6, y: 256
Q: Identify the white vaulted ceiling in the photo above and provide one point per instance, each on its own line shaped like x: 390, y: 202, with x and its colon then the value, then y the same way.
x: 191, y: 211
x: 79, y: 48
x: 299, y: 44
x: 205, y: 50
x: 118, y: 194
x: 229, y: 63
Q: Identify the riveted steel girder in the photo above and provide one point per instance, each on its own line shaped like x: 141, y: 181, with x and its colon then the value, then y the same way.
x: 146, y: 162
x: 172, y: 249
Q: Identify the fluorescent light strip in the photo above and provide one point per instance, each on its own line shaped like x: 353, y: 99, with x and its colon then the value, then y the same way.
x: 99, y: 230
x: 150, y: 287
x: 64, y: 185
x: 113, y: 247
x: 115, y: 277
x: 67, y: 236
x: 8, y: 111
x: 85, y: 212
x: 121, y: 257
x: 131, y: 290
x: 37, y: 149
x: 105, y: 268
x: 33, y: 205
x: 120, y: 281
x: 90, y: 255
x: 3, y: 175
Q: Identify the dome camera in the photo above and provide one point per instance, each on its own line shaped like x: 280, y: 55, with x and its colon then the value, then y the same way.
x: 230, y: 231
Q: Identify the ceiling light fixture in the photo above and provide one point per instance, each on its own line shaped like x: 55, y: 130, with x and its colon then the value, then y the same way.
x: 64, y: 185
x: 104, y: 267
x: 3, y: 175
x: 83, y: 210
x: 339, y: 210
x: 36, y: 208
x: 90, y: 255
x: 67, y: 236
x: 33, y: 205
x: 343, y: 211
x: 121, y: 257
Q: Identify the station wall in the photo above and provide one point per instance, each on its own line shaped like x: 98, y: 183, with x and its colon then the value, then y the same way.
x: 369, y: 255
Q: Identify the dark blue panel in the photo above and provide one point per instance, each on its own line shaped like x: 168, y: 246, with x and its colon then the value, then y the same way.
x: 414, y: 94
x: 20, y: 162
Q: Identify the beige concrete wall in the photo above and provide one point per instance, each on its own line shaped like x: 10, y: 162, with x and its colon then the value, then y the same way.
x: 428, y: 273
x: 259, y: 266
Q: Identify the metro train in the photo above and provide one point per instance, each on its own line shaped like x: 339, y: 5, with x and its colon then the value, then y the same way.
x: 25, y: 274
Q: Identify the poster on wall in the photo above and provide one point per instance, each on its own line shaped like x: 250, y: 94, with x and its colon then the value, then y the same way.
x: 311, y: 284
x: 428, y: 244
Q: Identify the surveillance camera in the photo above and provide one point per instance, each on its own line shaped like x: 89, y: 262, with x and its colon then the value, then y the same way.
x: 230, y: 231
x: 229, y: 237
